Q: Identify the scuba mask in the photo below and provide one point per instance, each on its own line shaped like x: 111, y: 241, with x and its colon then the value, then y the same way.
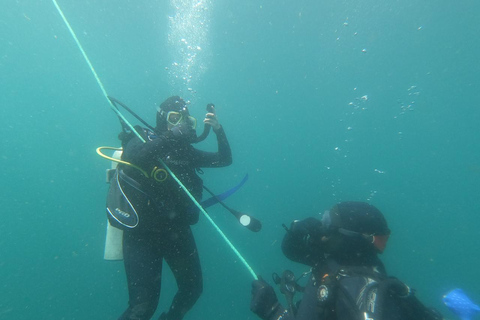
x: 378, y: 241
x: 181, y: 124
x: 175, y: 118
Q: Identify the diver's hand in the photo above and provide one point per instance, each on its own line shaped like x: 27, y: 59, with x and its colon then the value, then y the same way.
x: 264, y: 301
x: 211, y: 119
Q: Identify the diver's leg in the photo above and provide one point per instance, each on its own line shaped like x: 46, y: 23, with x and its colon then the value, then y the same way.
x: 182, y: 258
x: 143, y: 267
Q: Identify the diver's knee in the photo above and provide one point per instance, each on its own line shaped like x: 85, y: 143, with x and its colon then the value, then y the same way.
x: 196, y: 291
x: 198, y: 285
x: 191, y: 293
x: 199, y: 290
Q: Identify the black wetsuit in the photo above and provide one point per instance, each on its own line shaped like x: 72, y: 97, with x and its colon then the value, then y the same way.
x: 297, y: 248
x: 306, y: 250
x: 165, y: 215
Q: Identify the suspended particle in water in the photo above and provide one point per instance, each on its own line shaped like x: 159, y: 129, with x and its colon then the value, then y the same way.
x: 364, y: 50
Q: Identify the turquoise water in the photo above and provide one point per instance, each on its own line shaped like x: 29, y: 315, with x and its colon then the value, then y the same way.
x: 322, y: 102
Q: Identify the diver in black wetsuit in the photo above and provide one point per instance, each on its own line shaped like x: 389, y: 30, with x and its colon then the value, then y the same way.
x: 165, y: 212
x: 348, y: 281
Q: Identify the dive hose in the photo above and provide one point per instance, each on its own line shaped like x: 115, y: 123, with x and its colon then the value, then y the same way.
x: 246, y: 220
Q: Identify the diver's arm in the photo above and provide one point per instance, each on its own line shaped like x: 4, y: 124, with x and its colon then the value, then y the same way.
x: 222, y: 158
x: 265, y: 304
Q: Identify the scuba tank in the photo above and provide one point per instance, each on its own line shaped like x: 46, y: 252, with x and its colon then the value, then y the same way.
x: 114, y: 236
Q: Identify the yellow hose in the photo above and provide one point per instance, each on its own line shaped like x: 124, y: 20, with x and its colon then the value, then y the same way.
x: 99, y: 151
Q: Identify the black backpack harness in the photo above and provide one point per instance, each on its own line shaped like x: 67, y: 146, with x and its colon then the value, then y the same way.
x: 356, y: 293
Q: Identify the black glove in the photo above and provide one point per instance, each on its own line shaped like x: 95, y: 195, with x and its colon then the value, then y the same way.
x: 264, y: 300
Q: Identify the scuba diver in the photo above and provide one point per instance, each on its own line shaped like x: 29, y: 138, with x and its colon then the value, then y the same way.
x: 347, y: 281
x: 156, y: 214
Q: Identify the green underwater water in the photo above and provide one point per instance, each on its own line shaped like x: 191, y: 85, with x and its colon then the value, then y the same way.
x: 322, y: 101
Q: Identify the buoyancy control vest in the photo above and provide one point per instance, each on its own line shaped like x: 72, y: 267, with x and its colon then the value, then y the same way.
x: 360, y: 293
x: 150, y: 193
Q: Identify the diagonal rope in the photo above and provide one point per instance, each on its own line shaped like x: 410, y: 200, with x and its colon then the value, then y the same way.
x: 100, y: 84
x: 79, y: 45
